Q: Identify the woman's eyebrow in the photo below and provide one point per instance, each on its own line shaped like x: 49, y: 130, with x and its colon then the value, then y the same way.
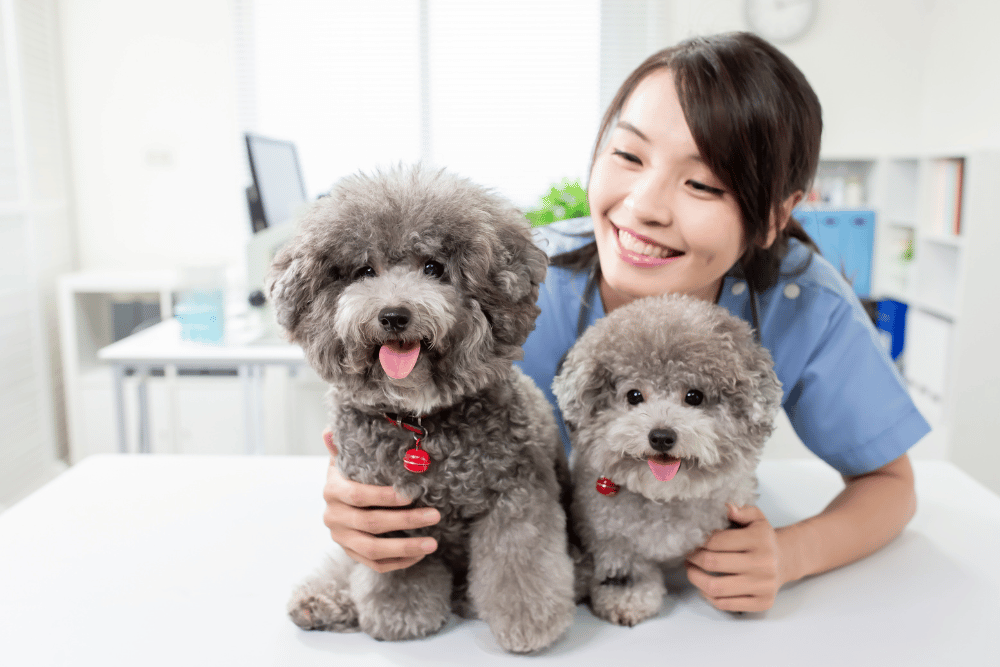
x: 625, y: 125
x: 629, y: 127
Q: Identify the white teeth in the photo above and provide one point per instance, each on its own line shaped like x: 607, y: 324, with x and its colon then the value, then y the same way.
x: 630, y: 242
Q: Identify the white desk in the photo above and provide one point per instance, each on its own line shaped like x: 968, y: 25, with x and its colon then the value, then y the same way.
x: 160, y: 560
x: 161, y: 345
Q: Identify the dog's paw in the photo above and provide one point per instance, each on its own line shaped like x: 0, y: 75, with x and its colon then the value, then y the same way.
x: 327, y: 610
x: 626, y: 603
x: 528, y: 630
x: 396, y: 626
x: 403, y: 604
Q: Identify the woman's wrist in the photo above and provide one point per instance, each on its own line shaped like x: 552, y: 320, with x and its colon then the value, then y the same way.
x: 870, y: 512
x: 793, y: 561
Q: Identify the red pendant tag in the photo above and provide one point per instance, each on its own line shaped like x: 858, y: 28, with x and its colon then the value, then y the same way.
x: 606, y: 487
x: 416, y: 460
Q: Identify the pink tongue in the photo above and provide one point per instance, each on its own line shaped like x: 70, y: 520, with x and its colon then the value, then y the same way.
x: 664, y: 471
x: 397, y: 361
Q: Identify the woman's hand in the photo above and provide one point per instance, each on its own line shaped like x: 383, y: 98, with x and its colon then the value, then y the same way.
x: 739, y: 569
x: 357, y: 514
x: 754, y: 560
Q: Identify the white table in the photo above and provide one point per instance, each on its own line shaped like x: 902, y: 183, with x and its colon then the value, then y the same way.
x: 161, y: 560
x: 161, y: 345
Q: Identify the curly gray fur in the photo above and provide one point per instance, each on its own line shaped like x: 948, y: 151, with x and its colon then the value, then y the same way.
x: 662, y: 347
x: 497, y: 470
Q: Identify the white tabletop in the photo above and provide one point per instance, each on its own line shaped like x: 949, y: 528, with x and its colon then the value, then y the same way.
x: 162, y: 344
x: 157, y: 560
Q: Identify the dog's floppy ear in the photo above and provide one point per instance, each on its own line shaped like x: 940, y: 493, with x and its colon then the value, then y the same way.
x: 765, y: 388
x: 757, y: 391
x: 581, y: 385
x: 290, y: 285
x: 518, y: 271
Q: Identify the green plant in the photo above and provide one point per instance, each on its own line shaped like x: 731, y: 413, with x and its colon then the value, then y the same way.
x: 907, y: 254
x: 565, y: 200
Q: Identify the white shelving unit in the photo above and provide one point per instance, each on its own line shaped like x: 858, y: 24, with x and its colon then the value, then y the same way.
x: 937, y: 236
x: 85, y: 326
x: 189, y: 414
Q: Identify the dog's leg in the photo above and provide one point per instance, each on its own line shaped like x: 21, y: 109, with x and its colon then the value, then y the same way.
x: 323, y: 602
x: 624, y: 589
x: 403, y: 604
x: 520, y: 574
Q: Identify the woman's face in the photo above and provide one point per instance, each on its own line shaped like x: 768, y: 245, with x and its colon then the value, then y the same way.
x: 664, y: 223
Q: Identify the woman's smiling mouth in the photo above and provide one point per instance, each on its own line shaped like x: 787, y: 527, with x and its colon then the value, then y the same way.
x: 640, y: 251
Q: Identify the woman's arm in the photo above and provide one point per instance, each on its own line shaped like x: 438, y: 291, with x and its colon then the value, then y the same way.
x: 755, y: 560
x: 357, y: 514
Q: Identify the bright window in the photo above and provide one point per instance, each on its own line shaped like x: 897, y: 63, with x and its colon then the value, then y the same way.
x: 503, y: 92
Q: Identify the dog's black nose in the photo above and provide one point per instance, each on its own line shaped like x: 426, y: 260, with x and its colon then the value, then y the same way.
x: 394, y: 320
x: 662, y: 439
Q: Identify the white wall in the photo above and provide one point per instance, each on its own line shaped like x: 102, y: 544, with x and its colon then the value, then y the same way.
x: 960, y: 100
x: 36, y: 242
x: 894, y: 76
x: 156, y: 161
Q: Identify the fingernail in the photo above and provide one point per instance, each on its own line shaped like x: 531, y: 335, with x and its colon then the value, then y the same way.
x: 430, y: 516
x: 428, y: 546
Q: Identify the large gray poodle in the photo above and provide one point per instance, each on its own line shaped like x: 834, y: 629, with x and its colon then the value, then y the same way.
x: 668, y: 402
x: 411, y: 292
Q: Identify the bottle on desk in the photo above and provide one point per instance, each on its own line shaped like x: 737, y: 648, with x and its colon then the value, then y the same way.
x: 200, y: 304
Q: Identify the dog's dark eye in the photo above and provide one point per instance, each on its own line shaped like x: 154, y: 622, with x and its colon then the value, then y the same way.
x: 634, y: 397
x: 433, y: 269
x: 694, y: 397
x: 364, y: 272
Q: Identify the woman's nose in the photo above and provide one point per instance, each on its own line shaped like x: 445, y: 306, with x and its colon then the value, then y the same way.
x: 648, y: 201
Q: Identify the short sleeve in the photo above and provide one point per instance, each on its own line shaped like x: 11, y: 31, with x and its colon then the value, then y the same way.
x: 848, y: 404
x: 842, y: 392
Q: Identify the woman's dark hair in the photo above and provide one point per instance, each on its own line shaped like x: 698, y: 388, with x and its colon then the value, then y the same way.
x: 757, y: 124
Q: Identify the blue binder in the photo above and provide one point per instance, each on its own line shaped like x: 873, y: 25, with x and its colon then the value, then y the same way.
x: 892, y: 320
x: 847, y: 240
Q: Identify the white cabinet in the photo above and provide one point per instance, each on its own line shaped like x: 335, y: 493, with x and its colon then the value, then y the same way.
x: 937, y: 238
x: 191, y: 411
x: 86, y: 302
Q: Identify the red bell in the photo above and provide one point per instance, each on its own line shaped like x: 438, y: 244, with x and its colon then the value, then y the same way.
x: 606, y: 487
x: 416, y: 460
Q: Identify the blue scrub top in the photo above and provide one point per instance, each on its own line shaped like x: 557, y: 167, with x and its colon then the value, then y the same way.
x: 842, y: 393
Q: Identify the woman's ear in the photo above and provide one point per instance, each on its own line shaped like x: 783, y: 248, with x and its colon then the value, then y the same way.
x: 780, y: 217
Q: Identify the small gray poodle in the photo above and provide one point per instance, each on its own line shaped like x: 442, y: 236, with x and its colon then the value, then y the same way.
x: 411, y: 292
x: 668, y: 402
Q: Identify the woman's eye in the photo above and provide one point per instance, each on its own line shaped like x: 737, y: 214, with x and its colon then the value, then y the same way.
x: 705, y: 188
x: 433, y: 269
x: 364, y: 272
x: 694, y: 397
x: 634, y: 397
x: 628, y: 157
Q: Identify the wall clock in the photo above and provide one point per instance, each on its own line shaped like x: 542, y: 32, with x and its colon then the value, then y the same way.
x: 781, y: 21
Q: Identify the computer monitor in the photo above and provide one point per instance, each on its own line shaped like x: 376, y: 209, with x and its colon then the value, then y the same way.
x: 278, y: 190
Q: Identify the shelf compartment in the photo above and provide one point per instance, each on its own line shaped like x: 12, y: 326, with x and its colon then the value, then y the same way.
x: 937, y: 280
x: 902, y: 190
x: 893, y: 261
x: 928, y: 344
